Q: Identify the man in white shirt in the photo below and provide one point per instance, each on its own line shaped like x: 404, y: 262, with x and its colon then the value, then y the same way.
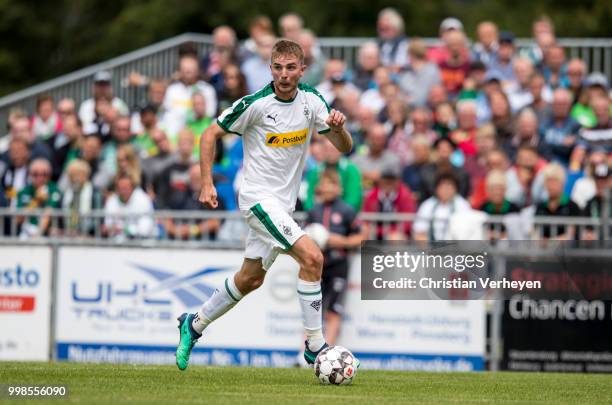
x: 102, y: 88
x: 177, y: 101
x: 128, y: 212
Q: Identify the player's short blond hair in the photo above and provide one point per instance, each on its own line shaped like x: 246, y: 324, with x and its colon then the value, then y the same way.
x: 284, y: 47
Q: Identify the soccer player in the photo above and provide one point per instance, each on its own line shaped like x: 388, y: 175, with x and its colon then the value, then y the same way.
x: 276, y: 124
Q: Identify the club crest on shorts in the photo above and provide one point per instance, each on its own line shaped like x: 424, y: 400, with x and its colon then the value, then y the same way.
x: 287, y: 230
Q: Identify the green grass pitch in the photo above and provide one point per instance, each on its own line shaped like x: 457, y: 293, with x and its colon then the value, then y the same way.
x: 104, y: 383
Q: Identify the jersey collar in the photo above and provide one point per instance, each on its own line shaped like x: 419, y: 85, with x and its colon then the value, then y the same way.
x: 280, y: 99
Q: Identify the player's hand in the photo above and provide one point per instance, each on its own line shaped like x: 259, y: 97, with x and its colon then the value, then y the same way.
x: 208, y: 196
x: 335, y: 120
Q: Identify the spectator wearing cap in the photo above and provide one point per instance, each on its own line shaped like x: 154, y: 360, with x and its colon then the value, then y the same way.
x: 444, y: 149
x: 350, y: 176
x: 491, y: 82
x: 485, y: 49
x: 378, y: 158
x: 392, y: 42
x: 420, y: 75
x: 440, y: 52
x: 368, y: 59
x: 596, y: 207
x: 102, y: 89
x: 41, y: 193
x: 503, y: 64
x: 46, y: 122
x: 14, y: 169
x: 559, y: 131
x: 455, y: 66
x: 434, y: 214
x: 555, y: 67
x: 557, y: 204
x: 390, y: 195
x: 128, y: 212
x: 177, y: 100
x: 596, y: 85
x: 518, y: 89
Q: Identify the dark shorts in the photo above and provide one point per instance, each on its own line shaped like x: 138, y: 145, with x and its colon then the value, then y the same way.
x: 333, y: 287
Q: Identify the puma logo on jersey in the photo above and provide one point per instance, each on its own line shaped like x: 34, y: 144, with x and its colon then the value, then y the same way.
x: 272, y: 117
x: 287, y: 139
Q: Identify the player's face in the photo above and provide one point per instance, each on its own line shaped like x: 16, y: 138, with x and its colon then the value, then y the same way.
x: 287, y: 70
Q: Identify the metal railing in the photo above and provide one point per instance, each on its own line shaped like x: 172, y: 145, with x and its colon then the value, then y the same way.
x: 228, y: 229
x: 159, y: 60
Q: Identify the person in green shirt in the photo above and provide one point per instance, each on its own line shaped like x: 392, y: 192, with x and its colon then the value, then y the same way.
x: 40, y: 193
x: 350, y: 177
x: 143, y: 141
x: 197, y: 120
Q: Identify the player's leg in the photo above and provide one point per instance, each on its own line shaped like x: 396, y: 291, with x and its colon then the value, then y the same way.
x: 309, y: 257
x: 249, y: 278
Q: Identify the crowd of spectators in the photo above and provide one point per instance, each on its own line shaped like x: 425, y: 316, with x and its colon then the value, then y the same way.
x: 438, y: 131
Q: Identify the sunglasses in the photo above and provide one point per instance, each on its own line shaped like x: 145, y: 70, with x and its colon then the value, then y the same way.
x: 40, y: 174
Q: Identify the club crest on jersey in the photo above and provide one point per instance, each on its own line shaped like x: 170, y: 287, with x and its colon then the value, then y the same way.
x: 287, y: 139
x: 306, y: 111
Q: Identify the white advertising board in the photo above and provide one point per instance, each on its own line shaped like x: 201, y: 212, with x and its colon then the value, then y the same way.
x: 120, y: 305
x: 25, y: 302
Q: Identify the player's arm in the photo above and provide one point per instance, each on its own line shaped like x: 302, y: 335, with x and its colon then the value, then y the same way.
x: 338, y: 135
x: 208, y: 194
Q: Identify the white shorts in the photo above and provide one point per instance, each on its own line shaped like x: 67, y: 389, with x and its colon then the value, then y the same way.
x: 272, y: 230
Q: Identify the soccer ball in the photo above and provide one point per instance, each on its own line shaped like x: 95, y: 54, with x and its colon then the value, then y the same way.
x: 335, y: 365
x: 318, y: 233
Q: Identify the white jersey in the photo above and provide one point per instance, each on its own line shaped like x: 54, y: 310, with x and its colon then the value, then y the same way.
x: 276, y: 134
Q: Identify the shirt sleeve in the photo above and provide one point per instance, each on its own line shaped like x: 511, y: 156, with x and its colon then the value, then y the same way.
x: 321, y: 113
x: 238, y: 117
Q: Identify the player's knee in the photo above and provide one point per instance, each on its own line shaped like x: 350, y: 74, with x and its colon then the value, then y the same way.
x: 313, y: 262
x: 249, y: 282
